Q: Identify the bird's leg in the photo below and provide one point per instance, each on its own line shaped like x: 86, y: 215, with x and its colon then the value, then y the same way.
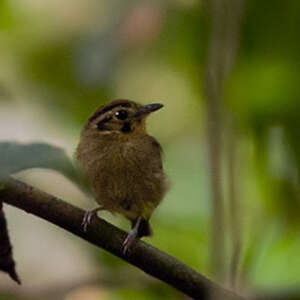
x: 131, y: 236
x: 88, y: 217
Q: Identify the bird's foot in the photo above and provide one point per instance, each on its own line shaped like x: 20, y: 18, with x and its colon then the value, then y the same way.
x: 130, y: 238
x: 88, y: 217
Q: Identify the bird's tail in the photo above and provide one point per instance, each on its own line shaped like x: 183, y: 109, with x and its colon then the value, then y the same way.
x: 144, y: 228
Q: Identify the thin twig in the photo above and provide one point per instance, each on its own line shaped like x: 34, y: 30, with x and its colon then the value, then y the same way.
x: 225, y: 27
x: 234, y: 207
x: 213, y: 101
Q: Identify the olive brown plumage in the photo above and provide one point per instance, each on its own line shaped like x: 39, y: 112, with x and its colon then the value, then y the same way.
x: 123, y: 164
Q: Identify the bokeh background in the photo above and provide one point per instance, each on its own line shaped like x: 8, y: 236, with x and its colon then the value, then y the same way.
x: 228, y: 74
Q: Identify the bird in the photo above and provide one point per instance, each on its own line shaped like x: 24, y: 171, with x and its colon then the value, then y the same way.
x: 123, y: 165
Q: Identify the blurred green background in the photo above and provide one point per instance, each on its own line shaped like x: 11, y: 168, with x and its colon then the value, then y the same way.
x: 60, y: 60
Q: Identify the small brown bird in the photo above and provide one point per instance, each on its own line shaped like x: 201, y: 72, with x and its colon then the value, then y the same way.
x: 123, y: 164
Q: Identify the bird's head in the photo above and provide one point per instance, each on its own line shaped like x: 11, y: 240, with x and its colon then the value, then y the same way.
x: 120, y: 116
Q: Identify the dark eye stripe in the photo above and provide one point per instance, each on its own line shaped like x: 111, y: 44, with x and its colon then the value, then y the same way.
x: 103, y: 109
x: 101, y: 124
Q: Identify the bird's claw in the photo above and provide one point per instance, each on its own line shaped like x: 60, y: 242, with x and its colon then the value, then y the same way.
x: 130, y: 238
x: 87, y: 219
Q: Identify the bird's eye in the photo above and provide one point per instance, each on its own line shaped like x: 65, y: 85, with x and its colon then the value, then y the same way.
x: 121, y: 114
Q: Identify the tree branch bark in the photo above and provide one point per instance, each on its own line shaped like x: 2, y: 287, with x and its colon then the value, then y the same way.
x: 102, y: 234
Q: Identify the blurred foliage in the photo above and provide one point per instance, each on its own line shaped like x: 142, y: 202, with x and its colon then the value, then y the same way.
x: 16, y: 157
x: 156, y: 292
x: 76, y: 57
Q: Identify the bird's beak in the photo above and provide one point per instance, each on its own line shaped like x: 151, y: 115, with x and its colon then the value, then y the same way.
x: 149, y: 108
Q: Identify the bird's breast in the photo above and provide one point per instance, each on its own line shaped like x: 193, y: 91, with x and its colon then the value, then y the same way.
x: 127, y: 175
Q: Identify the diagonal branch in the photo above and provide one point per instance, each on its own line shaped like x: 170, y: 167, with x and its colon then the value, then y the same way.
x: 102, y: 234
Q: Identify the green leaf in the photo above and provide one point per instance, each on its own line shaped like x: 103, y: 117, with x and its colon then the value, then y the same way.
x: 16, y: 157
